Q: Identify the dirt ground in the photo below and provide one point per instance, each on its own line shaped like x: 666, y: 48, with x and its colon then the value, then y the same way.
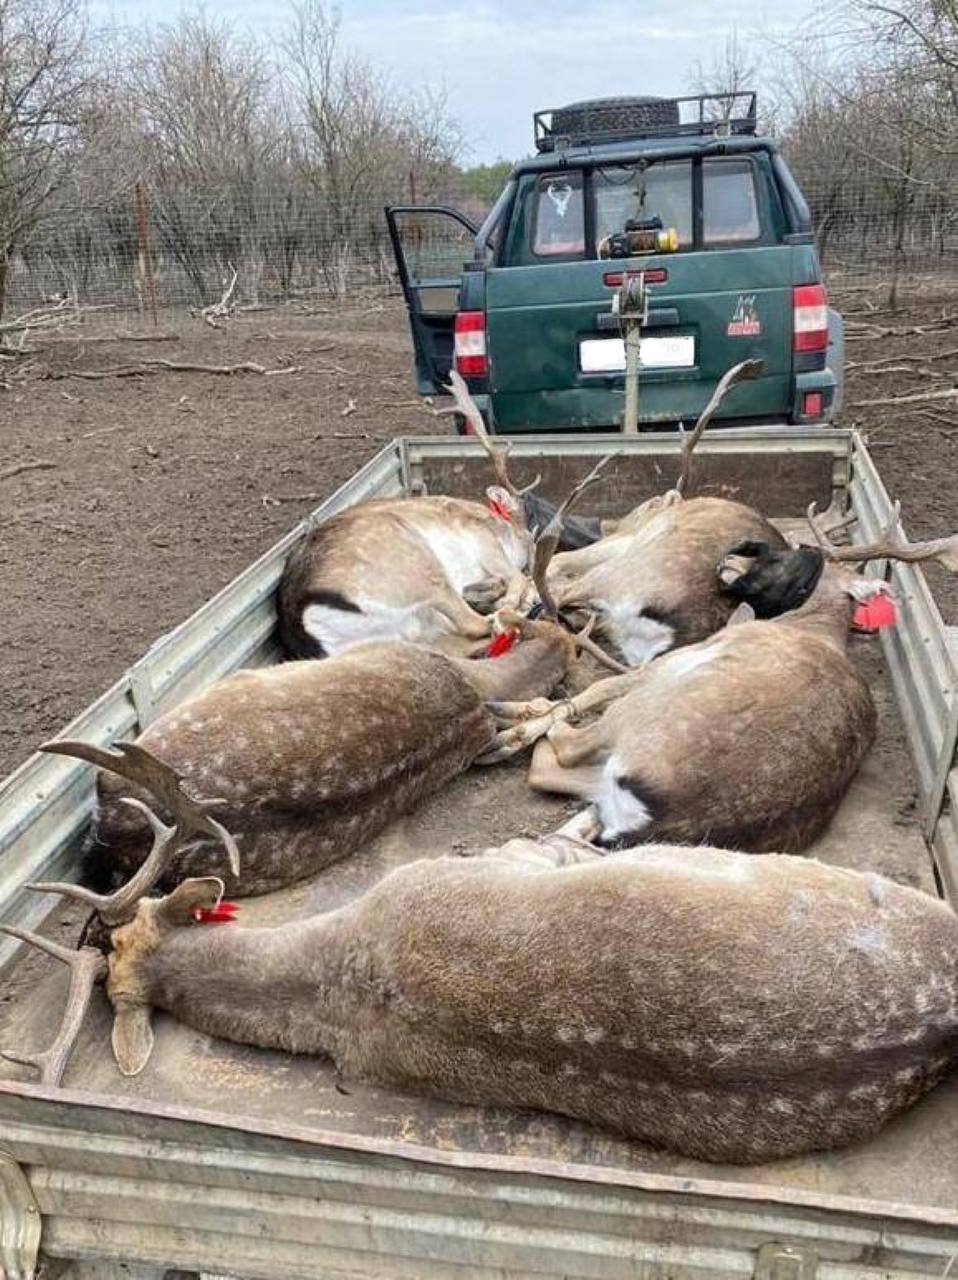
x: 155, y: 491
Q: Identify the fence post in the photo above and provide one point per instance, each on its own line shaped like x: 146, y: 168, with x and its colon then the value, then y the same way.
x: 144, y: 257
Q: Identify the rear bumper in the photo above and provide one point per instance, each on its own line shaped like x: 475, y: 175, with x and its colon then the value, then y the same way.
x: 822, y: 384
x: 829, y: 382
x: 777, y: 399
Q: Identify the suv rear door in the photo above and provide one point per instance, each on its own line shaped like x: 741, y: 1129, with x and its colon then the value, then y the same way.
x: 431, y: 245
x: 728, y: 289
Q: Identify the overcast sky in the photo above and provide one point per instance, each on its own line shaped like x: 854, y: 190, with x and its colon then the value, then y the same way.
x: 500, y: 60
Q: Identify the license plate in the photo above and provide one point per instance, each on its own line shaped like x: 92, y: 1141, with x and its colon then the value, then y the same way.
x: 607, y: 355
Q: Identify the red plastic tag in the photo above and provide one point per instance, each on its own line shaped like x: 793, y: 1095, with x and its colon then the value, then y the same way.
x: 875, y: 614
x: 222, y: 913
x: 498, y: 509
x: 501, y: 643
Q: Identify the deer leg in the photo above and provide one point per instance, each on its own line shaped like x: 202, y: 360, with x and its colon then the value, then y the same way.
x: 463, y: 619
x: 484, y: 596
x: 568, y: 565
x: 526, y: 722
x: 563, y: 848
x: 517, y: 594
x: 548, y: 773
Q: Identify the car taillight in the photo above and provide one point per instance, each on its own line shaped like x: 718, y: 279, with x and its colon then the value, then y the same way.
x: 812, y: 404
x: 470, y: 344
x: 809, y: 318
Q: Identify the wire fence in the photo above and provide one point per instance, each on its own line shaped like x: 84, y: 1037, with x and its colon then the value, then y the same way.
x: 150, y: 251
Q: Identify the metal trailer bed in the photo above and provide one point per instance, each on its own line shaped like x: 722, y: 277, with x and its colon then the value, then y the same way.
x: 229, y: 1159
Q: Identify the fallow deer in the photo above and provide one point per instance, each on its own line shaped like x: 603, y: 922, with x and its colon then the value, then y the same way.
x: 685, y: 998
x: 651, y: 581
x: 747, y: 740
x: 312, y: 759
x: 417, y: 568
x: 425, y: 569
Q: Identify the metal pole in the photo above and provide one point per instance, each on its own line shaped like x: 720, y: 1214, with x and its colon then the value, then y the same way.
x: 633, y: 336
x: 633, y: 311
x: 145, y: 257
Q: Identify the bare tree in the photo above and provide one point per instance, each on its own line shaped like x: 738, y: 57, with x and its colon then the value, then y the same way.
x: 44, y: 84
x: 733, y: 70
x: 198, y: 97
x: 358, y: 137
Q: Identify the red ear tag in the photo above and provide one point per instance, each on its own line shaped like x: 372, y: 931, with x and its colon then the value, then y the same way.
x: 875, y: 614
x: 498, y: 509
x: 222, y: 913
x: 502, y: 643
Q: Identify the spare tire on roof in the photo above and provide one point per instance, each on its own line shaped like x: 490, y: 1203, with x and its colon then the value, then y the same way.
x: 613, y: 115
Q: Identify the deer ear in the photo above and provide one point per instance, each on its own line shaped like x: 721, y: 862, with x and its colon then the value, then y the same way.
x: 132, y: 1038
x: 862, y: 589
x: 743, y: 613
x: 179, y: 907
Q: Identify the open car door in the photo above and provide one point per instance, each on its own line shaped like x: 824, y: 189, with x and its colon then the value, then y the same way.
x: 432, y: 244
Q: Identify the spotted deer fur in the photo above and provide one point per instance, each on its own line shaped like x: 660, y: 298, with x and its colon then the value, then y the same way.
x: 313, y: 759
x: 747, y: 740
x: 652, y: 583
x: 399, y: 569
x: 722, y: 1006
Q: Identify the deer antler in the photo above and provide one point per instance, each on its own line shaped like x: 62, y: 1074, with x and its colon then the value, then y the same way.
x: 583, y: 640
x: 548, y: 540
x: 87, y: 967
x: 889, y: 545
x: 473, y: 415
x: 545, y: 549
x: 190, y: 817
x: 743, y: 372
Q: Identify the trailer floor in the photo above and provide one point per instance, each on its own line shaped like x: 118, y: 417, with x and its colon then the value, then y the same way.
x: 915, y: 1160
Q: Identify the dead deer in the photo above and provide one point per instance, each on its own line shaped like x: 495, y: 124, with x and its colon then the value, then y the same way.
x: 652, y: 583
x: 747, y: 740
x: 312, y: 759
x: 426, y: 569
x: 542, y: 975
x: 412, y: 569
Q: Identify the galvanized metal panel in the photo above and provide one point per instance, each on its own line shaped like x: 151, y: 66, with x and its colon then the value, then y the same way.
x: 161, y: 1190
x: 779, y: 469
x: 923, y: 668
x: 945, y: 844
x: 44, y: 806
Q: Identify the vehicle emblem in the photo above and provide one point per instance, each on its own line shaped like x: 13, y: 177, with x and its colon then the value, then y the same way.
x: 560, y: 194
x: 744, y: 322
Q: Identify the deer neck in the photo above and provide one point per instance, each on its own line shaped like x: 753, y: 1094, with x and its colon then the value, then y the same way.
x: 295, y: 987
x: 827, y: 614
x: 531, y: 669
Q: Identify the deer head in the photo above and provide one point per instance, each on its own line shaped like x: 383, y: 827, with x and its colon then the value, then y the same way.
x: 137, y: 923
x: 825, y: 580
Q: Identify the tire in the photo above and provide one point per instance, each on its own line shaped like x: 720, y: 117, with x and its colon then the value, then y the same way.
x: 597, y: 116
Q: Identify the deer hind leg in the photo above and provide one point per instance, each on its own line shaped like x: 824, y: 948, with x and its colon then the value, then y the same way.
x: 560, y: 849
x: 461, y: 617
x: 519, y: 593
x: 484, y: 596
x: 548, y: 773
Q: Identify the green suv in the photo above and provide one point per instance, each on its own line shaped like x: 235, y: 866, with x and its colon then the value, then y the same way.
x: 679, y: 193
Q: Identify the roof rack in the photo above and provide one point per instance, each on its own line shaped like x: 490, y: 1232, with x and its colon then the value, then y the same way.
x: 611, y: 120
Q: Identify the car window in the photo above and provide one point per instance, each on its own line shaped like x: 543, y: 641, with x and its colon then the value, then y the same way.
x: 559, y: 221
x: 729, y: 204
x: 625, y: 194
